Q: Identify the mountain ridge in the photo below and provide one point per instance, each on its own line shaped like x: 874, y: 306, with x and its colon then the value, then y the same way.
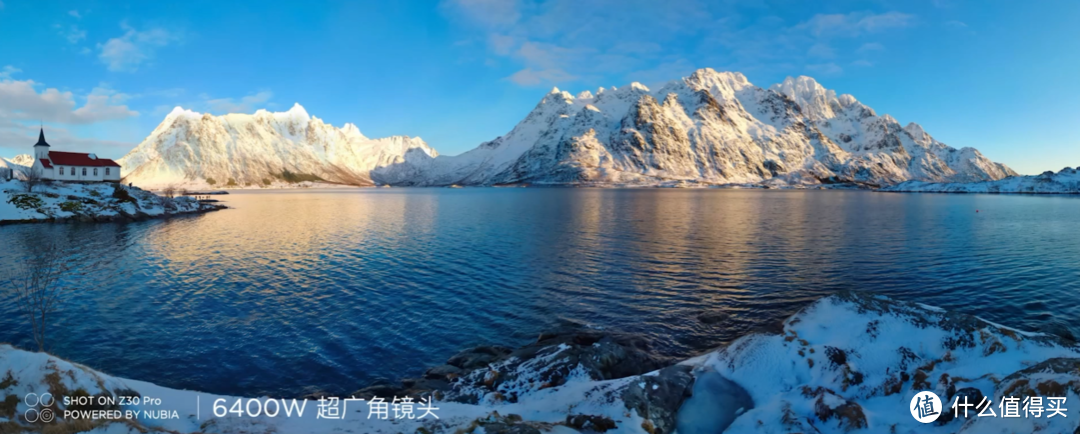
x: 261, y: 149
x: 709, y: 128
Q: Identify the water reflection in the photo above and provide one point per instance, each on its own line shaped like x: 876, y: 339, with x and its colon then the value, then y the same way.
x: 293, y: 292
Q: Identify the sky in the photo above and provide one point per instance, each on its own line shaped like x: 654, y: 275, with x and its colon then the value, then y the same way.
x: 1000, y: 76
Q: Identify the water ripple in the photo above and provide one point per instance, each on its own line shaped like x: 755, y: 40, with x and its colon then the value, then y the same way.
x: 301, y: 291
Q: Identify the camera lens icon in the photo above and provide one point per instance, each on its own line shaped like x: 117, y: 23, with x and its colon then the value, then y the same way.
x: 47, y: 416
x: 33, y: 415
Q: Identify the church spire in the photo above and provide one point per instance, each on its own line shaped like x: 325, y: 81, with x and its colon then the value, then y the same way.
x: 41, y: 138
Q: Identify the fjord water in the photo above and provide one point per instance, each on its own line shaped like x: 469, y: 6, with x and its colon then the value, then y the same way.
x: 293, y: 292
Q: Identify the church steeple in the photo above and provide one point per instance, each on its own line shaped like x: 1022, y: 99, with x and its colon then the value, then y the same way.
x: 41, y: 139
x: 41, y: 149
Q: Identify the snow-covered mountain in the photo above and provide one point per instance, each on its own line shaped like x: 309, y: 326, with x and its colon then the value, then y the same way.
x: 19, y: 165
x: 23, y: 160
x: 190, y: 149
x: 1067, y: 181
x: 711, y: 127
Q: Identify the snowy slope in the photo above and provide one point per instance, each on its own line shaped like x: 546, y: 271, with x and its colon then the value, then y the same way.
x: 850, y: 362
x: 711, y: 127
x: 191, y: 149
x: 18, y: 169
x: 1067, y: 181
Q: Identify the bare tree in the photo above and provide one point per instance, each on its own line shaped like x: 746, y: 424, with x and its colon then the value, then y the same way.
x: 31, y: 179
x: 41, y: 280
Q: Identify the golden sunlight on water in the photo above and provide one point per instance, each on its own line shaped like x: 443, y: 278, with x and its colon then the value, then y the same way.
x: 340, y: 287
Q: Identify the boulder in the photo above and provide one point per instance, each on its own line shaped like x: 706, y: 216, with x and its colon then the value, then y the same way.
x: 657, y: 398
x: 715, y: 404
x: 478, y: 357
x: 829, y: 406
x: 550, y: 362
x: 590, y: 423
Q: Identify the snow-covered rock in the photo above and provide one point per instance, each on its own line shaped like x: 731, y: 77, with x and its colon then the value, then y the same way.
x: 1066, y: 181
x: 60, y: 201
x: 190, y: 149
x: 711, y: 127
x: 851, y: 362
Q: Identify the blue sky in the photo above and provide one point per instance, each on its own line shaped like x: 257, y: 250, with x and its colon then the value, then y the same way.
x: 1001, y: 76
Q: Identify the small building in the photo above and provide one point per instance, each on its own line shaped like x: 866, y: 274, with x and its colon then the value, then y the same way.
x: 72, y: 166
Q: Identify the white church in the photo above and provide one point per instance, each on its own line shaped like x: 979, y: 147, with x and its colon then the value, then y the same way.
x: 72, y: 166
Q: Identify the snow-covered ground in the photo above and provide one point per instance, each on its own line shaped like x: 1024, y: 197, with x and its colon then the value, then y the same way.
x: 92, y: 201
x: 1066, y: 181
x: 850, y: 362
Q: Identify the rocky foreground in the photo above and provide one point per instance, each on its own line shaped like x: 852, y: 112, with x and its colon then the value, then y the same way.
x: 850, y: 362
x: 91, y: 202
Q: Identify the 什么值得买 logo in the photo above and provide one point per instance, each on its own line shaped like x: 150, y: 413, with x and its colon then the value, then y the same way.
x: 925, y: 407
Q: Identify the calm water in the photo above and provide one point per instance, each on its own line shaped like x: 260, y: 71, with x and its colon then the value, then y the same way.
x: 298, y: 291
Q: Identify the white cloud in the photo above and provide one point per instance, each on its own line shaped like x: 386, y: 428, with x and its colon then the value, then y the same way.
x: 246, y: 104
x: 530, y: 77
x: 20, y: 100
x: 856, y: 23
x: 490, y: 13
x: 956, y: 24
x: 870, y: 47
x: 501, y: 44
x: 18, y: 138
x: 72, y: 33
x: 7, y: 71
x: 862, y: 63
x: 821, y: 50
x: 23, y: 104
x: 135, y: 47
x: 557, y: 41
x: 564, y: 40
x: 75, y: 14
x: 825, y: 68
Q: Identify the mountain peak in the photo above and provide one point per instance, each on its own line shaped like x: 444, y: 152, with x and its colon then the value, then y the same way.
x: 297, y: 109
x: 814, y: 99
x: 914, y: 129
x: 296, y: 113
x: 722, y: 85
x: 737, y: 79
x: 181, y: 112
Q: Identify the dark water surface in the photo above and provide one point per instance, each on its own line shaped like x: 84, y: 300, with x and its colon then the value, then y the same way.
x: 297, y: 291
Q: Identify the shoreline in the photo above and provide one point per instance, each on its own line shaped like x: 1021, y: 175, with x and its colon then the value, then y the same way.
x: 139, y: 217
x: 61, y: 202
x: 736, y: 186
x: 850, y: 361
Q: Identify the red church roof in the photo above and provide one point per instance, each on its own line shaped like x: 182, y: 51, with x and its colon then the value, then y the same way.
x: 45, y: 163
x: 77, y: 159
